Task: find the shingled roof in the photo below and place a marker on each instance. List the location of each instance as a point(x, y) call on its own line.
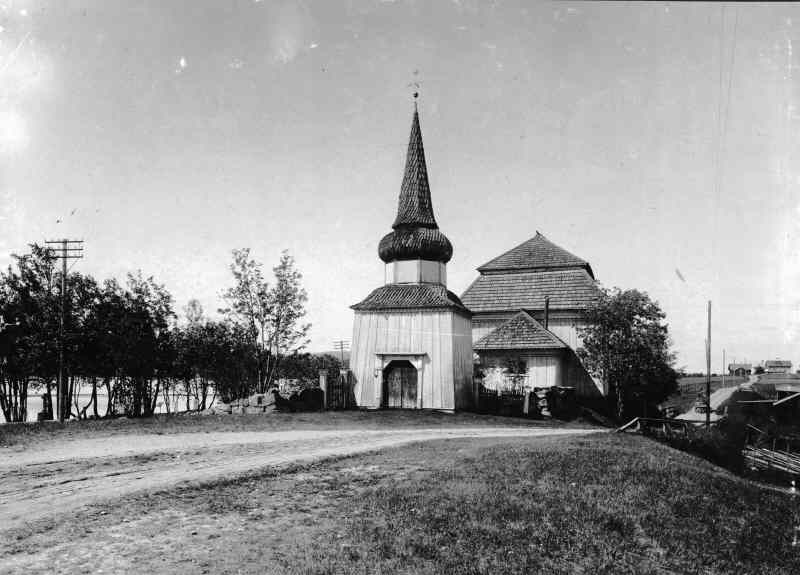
point(538, 253)
point(409, 297)
point(415, 207)
point(415, 234)
point(571, 289)
point(519, 332)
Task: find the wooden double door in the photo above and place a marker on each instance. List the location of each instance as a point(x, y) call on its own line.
point(400, 385)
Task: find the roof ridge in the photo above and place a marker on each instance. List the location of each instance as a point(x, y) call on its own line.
point(537, 252)
point(515, 340)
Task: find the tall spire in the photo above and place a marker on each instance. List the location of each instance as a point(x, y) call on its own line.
point(415, 208)
point(415, 235)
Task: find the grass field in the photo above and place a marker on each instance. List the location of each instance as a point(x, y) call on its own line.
point(596, 504)
point(20, 434)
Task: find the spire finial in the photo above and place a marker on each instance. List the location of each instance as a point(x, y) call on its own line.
point(415, 84)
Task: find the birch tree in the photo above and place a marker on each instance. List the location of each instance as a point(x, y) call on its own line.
point(271, 315)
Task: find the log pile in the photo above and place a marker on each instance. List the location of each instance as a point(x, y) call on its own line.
point(770, 460)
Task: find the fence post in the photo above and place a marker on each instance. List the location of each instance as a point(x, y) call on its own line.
point(323, 385)
point(344, 389)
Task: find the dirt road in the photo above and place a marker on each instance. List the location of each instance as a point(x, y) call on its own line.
point(718, 397)
point(58, 477)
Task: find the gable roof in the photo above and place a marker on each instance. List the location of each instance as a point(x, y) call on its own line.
point(568, 290)
point(535, 254)
point(519, 332)
point(411, 297)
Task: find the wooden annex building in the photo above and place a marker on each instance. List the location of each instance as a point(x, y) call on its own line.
point(411, 345)
point(528, 305)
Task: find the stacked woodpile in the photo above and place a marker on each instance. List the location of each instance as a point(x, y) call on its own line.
point(310, 399)
point(762, 459)
point(554, 401)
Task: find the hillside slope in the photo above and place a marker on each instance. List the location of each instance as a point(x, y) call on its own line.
point(595, 504)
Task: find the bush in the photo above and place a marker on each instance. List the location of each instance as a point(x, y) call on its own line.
point(721, 445)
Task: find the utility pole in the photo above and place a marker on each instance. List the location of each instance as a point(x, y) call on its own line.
point(708, 370)
point(723, 368)
point(341, 345)
point(67, 250)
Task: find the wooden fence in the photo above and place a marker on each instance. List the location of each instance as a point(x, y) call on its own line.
point(667, 428)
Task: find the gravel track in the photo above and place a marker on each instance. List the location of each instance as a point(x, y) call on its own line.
point(60, 477)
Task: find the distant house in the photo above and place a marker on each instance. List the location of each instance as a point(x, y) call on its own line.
point(740, 369)
point(528, 305)
point(777, 366)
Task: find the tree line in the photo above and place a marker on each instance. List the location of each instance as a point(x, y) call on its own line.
point(125, 339)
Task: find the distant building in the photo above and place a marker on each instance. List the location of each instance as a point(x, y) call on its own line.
point(528, 305)
point(411, 345)
point(777, 366)
point(740, 369)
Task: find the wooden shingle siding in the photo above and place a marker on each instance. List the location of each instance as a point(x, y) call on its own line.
point(567, 289)
point(519, 332)
point(415, 207)
point(410, 296)
point(415, 243)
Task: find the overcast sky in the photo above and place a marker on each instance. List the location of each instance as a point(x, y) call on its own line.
point(657, 141)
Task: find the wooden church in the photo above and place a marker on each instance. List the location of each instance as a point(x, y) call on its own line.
point(528, 306)
point(412, 337)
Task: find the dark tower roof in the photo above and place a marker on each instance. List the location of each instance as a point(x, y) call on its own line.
point(415, 235)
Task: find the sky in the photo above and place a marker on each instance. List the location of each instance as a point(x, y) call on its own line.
point(657, 141)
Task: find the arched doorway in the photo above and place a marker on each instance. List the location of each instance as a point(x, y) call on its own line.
point(400, 385)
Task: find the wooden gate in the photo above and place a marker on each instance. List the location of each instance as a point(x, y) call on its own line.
point(400, 385)
point(339, 393)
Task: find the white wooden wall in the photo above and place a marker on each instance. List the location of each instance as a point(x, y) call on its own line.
point(545, 370)
point(462, 361)
point(565, 328)
point(443, 338)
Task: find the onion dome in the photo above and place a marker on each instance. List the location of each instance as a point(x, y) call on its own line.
point(415, 235)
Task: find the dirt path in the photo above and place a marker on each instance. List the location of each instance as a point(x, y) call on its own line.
point(62, 477)
point(717, 399)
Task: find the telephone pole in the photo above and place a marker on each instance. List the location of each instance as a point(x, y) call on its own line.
point(724, 368)
point(341, 345)
point(66, 250)
point(708, 370)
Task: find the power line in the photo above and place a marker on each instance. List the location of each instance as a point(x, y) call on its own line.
point(67, 250)
point(341, 345)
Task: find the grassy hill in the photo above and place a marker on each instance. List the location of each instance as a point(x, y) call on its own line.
point(596, 504)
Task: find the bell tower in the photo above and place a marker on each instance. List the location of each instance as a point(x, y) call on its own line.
point(412, 343)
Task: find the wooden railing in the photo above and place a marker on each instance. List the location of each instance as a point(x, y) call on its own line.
point(652, 425)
